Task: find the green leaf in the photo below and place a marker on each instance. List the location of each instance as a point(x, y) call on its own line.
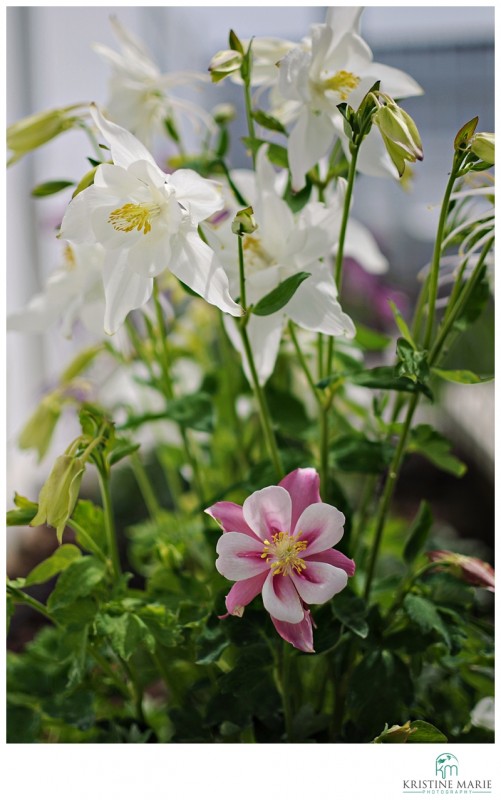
point(401, 324)
point(287, 410)
point(235, 43)
point(411, 363)
point(464, 134)
point(418, 533)
point(355, 453)
point(436, 448)
point(25, 512)
point(78, 580)
point(211, 644)
point(87, 180)
point(461, 376)
point(385, 378)
point(278, 155)
point(280, 296)
point(121, 449)
point(60, 560)
point(424, 613)
point(90, 530)
point(80, 363)
point(50, 187)
point(475, 303)
point(351, 611)
point(192, 411)
point(417, 732)
point(368, 339)
point(269, 122)
point(127, 633)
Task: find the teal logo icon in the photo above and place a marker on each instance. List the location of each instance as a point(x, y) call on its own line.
point(447, 766)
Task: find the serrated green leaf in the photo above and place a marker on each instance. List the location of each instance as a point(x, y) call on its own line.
point(280, 296)
point(424, 613)
point(126, 632)
point(60, 560)
point(418, 533)
point(351, 611)
point(356, 453)
point(77, 581)
point(417, 732)
point(461, 376)
point(50, 187)
point(381, 378)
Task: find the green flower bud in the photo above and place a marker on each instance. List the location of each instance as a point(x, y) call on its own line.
point(400, 135)
point(224, 113)
point(224, 63)
point(37, 433)
point(244, 222)
point(37, 129)
point(59, 494)
point(482, 144)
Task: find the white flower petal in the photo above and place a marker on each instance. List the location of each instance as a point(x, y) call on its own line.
point(265, 334)
point(194, 263)
point(319, 582)
point(124, 291)
point(200, 196)
point(309, 141)
point(268, 511)
point(321, 526)
point(315, 307)
point(125, 148)
point(239, 556)
point(361, 245)
point(281, 599)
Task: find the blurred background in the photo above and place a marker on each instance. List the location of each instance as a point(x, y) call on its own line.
point(51, 63)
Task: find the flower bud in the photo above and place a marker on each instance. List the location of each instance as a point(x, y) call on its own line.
point(244, 222)
point(224, 113)
point(37, 433)
point(400, 135)
point(35, 130)
point(224, 63)
point(482, 144)
point(472, 570)
point(59, 493)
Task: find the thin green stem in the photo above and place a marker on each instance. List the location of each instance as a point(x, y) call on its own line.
point(437, 252)
point(144, 483)
point(21, 598)
point(241, 273)
point(109, 522)
point(387, 495)
point(250, 119)
point(338, 274)
point(303, 363)
point(264, 413)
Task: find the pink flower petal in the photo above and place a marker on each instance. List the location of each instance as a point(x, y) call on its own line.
point(239, 556)
point(319, 582)
point(337, 559)
point(303, 486)
point(243, 592)
point(299, 635)
point(281, 599)
point(268, 511)
point(230, 517)
point(321, 526)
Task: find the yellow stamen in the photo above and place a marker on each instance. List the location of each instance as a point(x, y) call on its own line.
point(69, 257)
point(342, 82)
point(282, 553)
point(134, 216)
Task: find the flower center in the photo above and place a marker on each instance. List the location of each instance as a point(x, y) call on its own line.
point(282, 553)
point(342, 82)
point(256, 257)
point(134, 216)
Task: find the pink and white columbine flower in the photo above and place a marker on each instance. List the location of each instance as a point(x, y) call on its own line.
point(280, 544)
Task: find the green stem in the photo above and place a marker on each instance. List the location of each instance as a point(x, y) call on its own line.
point(437, 252)
point(241, 273)
point(303, 363)
point(109, 522)
point(264, 413)
point(144, 483)
point(338, 275)
point(248, 113)
point(286, 691)
point(387, 495)
point(460, 304)
point(24, 599)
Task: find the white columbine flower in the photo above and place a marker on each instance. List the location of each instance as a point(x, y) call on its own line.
point(335, 66)
point(140, 95)
point(146, 222)
point(73, 292)
point(284, 244)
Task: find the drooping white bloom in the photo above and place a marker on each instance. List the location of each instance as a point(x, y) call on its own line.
point(140, 95)
point(335, 66)
point(146, 222)
point(283, 245)
point(73, 292)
